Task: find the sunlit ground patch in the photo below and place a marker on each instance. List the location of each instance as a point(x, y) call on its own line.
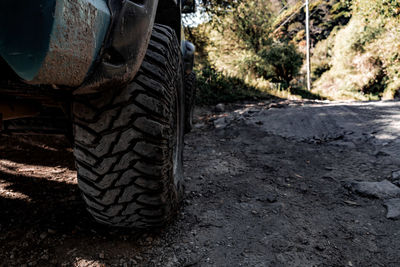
point(38, 171)
point(6, 193)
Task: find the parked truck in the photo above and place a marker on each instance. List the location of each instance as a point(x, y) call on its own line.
point(116, 77)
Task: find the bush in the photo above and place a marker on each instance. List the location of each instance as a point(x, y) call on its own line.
point(281, 63)
point(214, 87)
point(321, 60)
point(369, 34)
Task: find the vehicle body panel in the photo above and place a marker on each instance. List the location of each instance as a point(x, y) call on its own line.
point(45, 59)
point(71, 33)
point(124, 47)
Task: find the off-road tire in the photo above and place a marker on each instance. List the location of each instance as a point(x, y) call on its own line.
point(190, 98)
point(128, 142)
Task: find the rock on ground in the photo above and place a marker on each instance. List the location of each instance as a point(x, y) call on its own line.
point(396, 175)
point(382, 190)
point(393, 208)
point(220, 108)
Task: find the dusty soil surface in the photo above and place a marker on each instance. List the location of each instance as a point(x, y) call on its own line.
point(265, 186)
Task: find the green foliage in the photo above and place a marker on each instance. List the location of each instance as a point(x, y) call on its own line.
point(214, 87)
point(355, 49)
point(281, 18)
point(356, 52)
point(370, 33)
point(217, 82)
point(341, 10)
point(250, 23)
point(304, 93)
point(199, 38)
point(372, 10)
point(363, 56)
point(282, 61)
point(325, 16)
point(218, 7)
point(321, 60)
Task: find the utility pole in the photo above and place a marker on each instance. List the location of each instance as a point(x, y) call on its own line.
point(308, 45)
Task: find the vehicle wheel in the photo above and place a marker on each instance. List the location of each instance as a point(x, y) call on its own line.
point(190, 98)
point(128, 143)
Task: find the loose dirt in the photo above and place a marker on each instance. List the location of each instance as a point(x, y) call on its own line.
point(267, 184)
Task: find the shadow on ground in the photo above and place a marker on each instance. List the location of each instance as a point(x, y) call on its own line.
point(43, 221)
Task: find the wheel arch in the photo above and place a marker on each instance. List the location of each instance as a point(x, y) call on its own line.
point(169, 13)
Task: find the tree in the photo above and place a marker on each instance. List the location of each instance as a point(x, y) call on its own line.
point(251, 21)
point(248, 25)
point(218, 7)
point(285, 62)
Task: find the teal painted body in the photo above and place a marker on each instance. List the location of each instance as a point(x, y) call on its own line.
point(52, 41)
point(25, 34)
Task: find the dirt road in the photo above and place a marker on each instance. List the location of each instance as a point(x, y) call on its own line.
point(268, 184)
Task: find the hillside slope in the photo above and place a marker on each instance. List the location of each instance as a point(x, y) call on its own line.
point(355, 47)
